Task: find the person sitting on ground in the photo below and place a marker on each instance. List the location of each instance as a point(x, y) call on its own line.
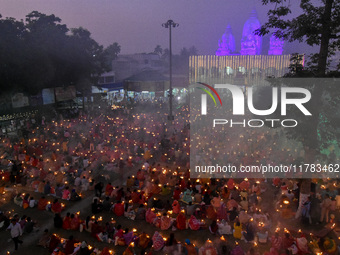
point(118, 208)
point(249, 234)
point(4, 221)
point(170, 245)
point(32, 202)
point(66, 194)
point(262, 236)
point(26, 201)
point(18, 200)
point(58, 221)
point(44, 239)
point(74, 196)
point(190, 209)
point(190, 249)
point(56, 206)
point(233, 214)
point(276, 241)
point(194, 223)
point(67, 221)
point(119, 236)
point(237, 232)
point(74, 222)
point(69, 245)
point(135, 196)
point(287, 241)
point(176, 208)
point(96, 207)
point(88, 224)
point(96, 229)
point(107, 204)
point(59, 190)
point(165, 190)
point(140, 214)
point(23, 221)
point(213, 227)
point(128, 236)
point(143, 241)
point(30, 226)
point(187, 196)
point(181, 221)
point(244, 204)
point(224, 228)
point(84, 250)
point(165, 222)
point(42, 203)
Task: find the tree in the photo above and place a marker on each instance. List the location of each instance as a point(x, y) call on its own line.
point(158, 50)
point(12, 52)
point(89, 59)
point(43, 53)
point(165, 54)
point(317, 25)
point(111, 53)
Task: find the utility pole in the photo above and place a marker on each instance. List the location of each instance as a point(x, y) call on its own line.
point(170, 23)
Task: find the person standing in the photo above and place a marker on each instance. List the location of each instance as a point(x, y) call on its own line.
point(16, 231)
point(99, 189)
point(325, 206)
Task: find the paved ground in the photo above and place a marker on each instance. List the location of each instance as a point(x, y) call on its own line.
point(45, 220)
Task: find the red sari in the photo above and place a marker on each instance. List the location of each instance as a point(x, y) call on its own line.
point(74, 223)
point(108, 189)
point(118, 209)
point(165, 222)
point(67, 223)
point(181, 221)
point(42, 204)
point(56, 207)
point(150, 216)
point(135, 197)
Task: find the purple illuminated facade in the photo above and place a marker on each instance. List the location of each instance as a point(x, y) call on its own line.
point(226, 46)
point(250, 43)
point(276, 45)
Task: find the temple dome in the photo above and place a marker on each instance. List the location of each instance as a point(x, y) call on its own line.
point(276, 45)
point(251, 43)
point(226, 45)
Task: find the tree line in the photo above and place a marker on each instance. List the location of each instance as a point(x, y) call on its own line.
point(40, 52)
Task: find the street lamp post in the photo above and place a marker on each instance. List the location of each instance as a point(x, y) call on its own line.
point(170, 23)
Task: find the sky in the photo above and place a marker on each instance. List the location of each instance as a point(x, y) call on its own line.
point(137, 24)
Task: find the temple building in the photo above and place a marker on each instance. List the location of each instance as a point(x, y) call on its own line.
point(246, 65)
point(226, 46)
point(251, 44)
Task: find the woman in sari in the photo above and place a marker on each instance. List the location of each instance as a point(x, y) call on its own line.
point(176, 207)
point(144, 240)
point(67, 222)
point(56, 207)
point(18, 200)
point(88, 224)
point(208, 248)
point(128, 236)
point(150, 216)
point(194, 224)
point(66, 194)
point(140, 214)
point(74, 222)
point(158, 241)
point(165, 222)
point(222, 212)
point(181, 221)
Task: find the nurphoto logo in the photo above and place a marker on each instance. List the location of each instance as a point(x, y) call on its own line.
point(238, 106)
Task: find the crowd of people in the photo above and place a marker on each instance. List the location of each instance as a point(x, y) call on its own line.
point(136, 167)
